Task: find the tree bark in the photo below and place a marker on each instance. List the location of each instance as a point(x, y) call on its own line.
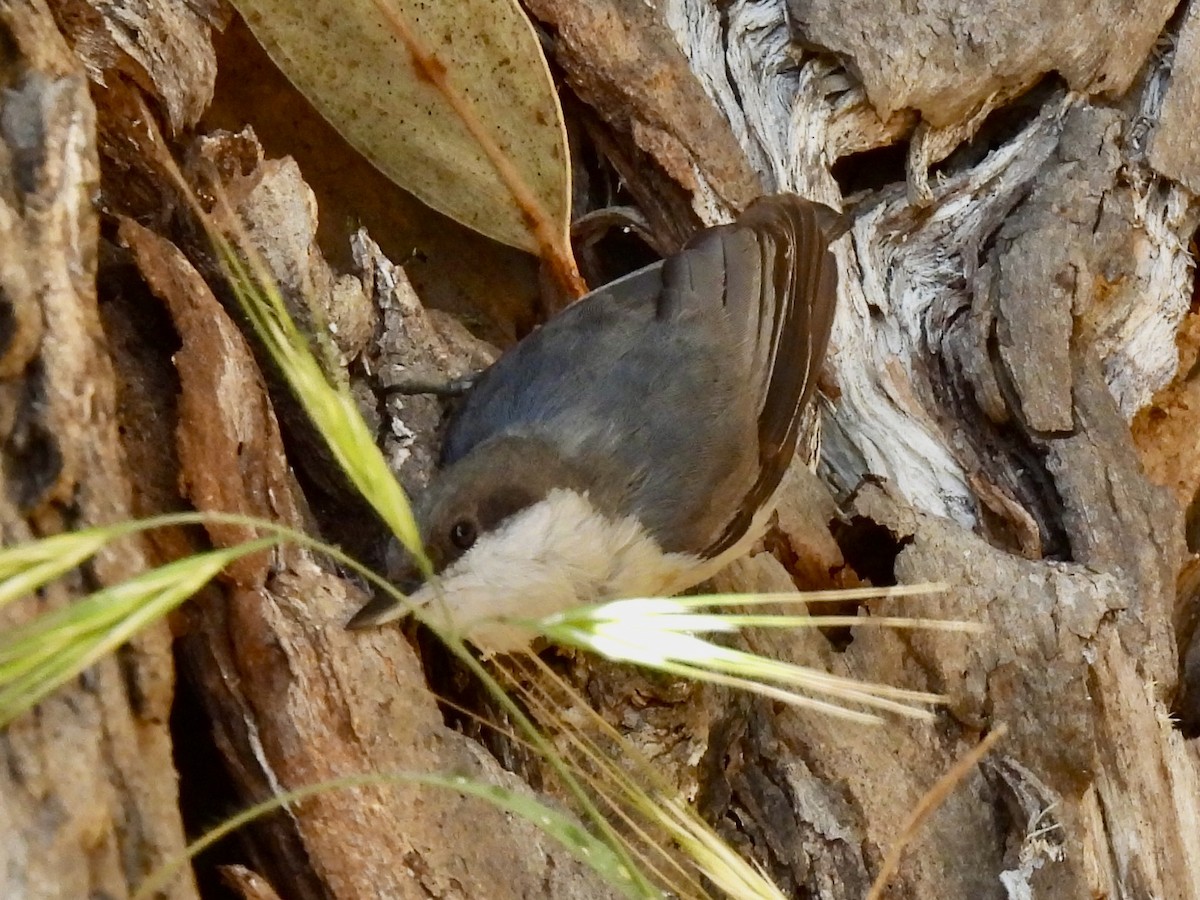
point(88, 797)
point(1009, 410)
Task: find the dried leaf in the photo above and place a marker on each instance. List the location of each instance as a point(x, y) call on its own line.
point(453, 101)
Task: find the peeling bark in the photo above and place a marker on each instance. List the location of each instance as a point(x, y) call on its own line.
point(1016, 290)
point(88, 797)
point(947, 59)
point(294, 697)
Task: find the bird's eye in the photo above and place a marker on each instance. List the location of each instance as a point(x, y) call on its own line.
point(462, 534)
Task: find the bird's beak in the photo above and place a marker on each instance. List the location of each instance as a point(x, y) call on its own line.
point(383, 608)
point(378, 611)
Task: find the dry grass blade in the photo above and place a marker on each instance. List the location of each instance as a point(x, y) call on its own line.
point(933, 798)
point(331, 410)
point(587, 848)
point(638, 793)
point(609, 778)
point(37, 658)
point(662, 634)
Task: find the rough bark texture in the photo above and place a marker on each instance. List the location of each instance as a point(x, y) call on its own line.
point(88, 797)
point(296, 699)
point(946, 59)
point(1010, 409)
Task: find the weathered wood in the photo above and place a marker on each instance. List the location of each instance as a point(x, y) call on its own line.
point(1004, 317)
point(294, 697)
point(163, 47)
point(88, 798)
point(620, 59)
point(1174, 140)
point(986, 334)
point(948, 58)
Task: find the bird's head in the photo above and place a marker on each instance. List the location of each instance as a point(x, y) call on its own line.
point(510, 531)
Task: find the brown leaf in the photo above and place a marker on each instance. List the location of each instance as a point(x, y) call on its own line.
point(454, 102)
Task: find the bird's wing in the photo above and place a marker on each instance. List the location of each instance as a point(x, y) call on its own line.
point(779, 284)
point(661, 381)
point(555, 370)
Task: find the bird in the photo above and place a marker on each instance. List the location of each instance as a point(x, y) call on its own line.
point(634, 444)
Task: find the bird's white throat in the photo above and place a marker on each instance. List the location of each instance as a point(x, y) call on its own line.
point(558, 553)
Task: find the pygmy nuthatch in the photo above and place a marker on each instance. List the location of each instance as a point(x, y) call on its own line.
point(633, 445)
